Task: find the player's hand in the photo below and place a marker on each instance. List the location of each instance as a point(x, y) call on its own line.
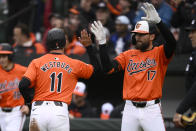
point(85, 38)
point(98, 30)
point(177, 120)
point(25, 109)
point(33, 125)
point(151, 13)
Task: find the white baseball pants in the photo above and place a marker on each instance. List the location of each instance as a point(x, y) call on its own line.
point(50, 117)
point(148, 118)
point(12, 121)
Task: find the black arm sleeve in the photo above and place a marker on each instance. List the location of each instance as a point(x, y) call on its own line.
point(107, 63)
point(170, 45)
point(188, 101)
point(25, 90)
point(93, 56)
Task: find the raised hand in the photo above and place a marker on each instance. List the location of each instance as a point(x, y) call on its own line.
point(85, 38)
point(151, 13)
point(98, 30)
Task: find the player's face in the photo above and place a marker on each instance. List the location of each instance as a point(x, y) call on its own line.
point(192, 36)
point(142, 41)
point(4, 60)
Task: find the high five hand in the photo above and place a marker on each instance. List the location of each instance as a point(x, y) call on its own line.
point(151, 13)
point(85, 38)
point(98, 30)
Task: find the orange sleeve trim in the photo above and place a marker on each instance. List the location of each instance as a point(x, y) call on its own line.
point(113, 10)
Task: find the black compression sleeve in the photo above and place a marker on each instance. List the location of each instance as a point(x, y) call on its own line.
point(188, 101)
point(93, 56)
point(105, 60)
point(25, 90)
point(170, 44)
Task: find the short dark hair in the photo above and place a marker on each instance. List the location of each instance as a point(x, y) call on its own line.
point(24, 29)
point(55, 39)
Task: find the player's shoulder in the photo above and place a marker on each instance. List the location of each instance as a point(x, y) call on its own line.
point(37, 60)
point(21, 67)
point(130, 51)
point(158, 47)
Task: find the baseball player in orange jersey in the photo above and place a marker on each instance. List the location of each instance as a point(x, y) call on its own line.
point(54, 77)
point(12, 108)
point(144, 70)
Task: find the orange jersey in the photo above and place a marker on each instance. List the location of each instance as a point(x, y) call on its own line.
point(55, 76)
point(9, 81)
point(144, 73)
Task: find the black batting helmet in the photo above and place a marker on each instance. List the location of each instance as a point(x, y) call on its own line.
point(55, 39)
point(6, 49)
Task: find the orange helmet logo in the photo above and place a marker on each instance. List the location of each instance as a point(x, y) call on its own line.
point(138, 25)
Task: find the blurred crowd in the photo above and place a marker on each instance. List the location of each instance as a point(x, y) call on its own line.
point(27, 32)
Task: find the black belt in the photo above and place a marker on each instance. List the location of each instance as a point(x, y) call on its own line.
point(143, 103)
point(6, 109)
point(57, 103)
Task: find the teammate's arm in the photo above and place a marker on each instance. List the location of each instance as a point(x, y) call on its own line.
point(85, 39)
point(153, 16)
point(26, 83)
point(170, 45)
point(109, 65)
point(25, 90)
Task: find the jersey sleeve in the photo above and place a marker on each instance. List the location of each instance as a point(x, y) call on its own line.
point(84, 70)
point(31, 72)
point(121, 60)
point(163, 57)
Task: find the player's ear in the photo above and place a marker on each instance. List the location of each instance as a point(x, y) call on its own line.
point(152, 37)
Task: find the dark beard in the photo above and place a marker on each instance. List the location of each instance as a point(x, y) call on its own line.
point(142, 47)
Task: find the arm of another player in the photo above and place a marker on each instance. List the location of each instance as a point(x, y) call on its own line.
point(153, 16)
point(109, 66)
point(25, 91)
point(186, 103)
point(85, 39)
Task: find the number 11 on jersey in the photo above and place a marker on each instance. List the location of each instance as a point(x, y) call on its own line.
point(53, 78)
